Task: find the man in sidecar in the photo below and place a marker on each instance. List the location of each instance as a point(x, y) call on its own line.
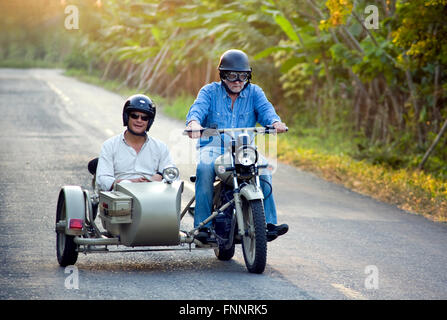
point(133, 151)
point(232, 103)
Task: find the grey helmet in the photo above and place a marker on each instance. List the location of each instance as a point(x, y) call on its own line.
point(140, 103)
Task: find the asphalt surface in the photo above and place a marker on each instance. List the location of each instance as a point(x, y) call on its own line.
point(341, 245)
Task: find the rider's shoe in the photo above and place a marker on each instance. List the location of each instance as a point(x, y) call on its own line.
point(274, 232)
point(204, 235)
point(271, 235)
point(280, 229)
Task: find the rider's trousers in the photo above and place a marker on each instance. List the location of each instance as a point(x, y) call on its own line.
point(205, 176)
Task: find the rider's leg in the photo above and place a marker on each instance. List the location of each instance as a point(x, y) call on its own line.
point(270, 209)
point(269, 201)
point(205, 176)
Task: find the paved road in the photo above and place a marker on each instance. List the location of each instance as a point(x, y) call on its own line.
point(341, 245)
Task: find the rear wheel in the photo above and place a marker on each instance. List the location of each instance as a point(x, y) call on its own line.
point(66, 248)
point(224, 254)
point(254, 240)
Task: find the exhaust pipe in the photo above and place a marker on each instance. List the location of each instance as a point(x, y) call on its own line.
point(96, 241)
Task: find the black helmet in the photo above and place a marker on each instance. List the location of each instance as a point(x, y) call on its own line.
point(140, 103)
point(234, 60)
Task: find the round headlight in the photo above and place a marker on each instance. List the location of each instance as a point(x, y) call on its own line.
point(246, 155)
point(170, 174)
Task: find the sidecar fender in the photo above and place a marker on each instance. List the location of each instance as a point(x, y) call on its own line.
point(252, 192)
point(74, 209)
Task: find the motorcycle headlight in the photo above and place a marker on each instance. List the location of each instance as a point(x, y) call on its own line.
point(170, 174)
point(246, 155)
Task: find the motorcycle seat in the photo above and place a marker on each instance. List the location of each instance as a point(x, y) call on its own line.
point(92, 165)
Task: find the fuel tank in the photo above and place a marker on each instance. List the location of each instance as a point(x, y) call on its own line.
point(223, 161)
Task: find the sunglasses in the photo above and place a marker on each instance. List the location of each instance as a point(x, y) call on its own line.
point(233, 76)
point(136, 116)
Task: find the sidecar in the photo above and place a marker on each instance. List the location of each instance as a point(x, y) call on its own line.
point(146, 216)
point(132, 215)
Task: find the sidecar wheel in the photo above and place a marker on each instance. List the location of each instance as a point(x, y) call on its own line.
point(66, 249)
point(254, 241)
point(224, 255)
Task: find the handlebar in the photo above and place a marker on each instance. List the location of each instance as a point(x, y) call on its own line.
point(262, 130)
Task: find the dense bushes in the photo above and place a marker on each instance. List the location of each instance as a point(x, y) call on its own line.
point(328, 72)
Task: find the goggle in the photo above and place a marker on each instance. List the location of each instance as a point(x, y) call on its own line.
point(136, 116)
point(233, 76)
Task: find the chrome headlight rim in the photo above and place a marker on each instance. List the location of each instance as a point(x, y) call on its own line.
point(250, 157)
point(170, 174)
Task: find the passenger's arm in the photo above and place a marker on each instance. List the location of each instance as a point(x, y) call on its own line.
point(105, 174)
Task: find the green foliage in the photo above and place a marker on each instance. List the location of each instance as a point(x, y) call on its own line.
point(178, 107)
point(377, 93)
point(421, 31)
point(77, 59)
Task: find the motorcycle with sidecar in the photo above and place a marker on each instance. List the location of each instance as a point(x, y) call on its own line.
point(146, 216)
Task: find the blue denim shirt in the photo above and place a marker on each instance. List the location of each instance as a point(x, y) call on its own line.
point(213, 107)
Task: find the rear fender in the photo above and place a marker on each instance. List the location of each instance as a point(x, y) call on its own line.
point(74, 206)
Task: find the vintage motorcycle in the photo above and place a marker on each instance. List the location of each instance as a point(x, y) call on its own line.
point(148, 214)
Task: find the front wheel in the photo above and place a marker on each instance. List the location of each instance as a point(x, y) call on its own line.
point(254, 240)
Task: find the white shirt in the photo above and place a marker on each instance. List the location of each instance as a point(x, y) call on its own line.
point(118, 158)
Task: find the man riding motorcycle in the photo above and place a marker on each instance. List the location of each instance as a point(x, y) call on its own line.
point(233, 102)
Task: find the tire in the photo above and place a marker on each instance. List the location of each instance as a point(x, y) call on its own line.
point(94, 211)
point(225, 255)
point(66, 248)
point(254, 241)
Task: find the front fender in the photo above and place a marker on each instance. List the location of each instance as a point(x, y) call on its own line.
point(252, 192)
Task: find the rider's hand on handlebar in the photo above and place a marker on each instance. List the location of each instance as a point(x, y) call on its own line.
point(280, 127)
point(195, 127)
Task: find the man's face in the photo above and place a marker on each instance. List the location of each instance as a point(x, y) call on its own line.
point(236, 80)
point(138, 121)
point(235, 86)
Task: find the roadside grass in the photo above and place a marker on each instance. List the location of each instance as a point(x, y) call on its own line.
point(111, 85)
point(96, 79)
point(411, 190)
point(24, 64)
point(178, 107)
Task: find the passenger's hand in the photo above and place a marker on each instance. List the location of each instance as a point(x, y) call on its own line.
point(141, 179)
point(156, 177)
point(280, 127)
point(195, 127)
